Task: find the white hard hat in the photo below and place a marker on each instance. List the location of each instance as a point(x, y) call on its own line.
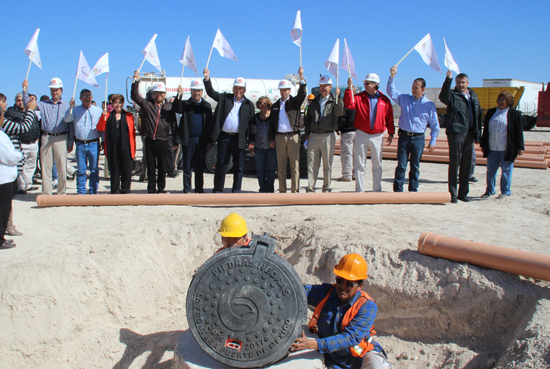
point(325, 80)
point(239, 82)
point(285, 83)
point(56, 83)
point(159, 87)
point(197, 84)
point(372, 77)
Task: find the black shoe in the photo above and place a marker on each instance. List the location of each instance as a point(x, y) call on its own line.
point(162, 191)
point(21, 192)
point(454, 200)
point(172, 174)
point(473, 179)
point(463, 198)
point(486, 195)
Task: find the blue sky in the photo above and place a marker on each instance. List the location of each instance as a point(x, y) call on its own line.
point(488, 39)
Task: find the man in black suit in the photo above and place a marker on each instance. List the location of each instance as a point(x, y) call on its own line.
point(231, 127)
point(192, 133)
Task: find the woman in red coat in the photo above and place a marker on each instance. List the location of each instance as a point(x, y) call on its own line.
point(120, 144)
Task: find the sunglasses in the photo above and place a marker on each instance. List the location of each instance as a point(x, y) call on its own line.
point(349, 284)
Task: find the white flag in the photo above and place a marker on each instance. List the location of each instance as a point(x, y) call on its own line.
point(449, 61)
point(427, 51)
point(296, 33)
point(333, 58)
point(32, 50)
point(151, 55)
point(84, 73)
point(221, 44)
point(188, 58)
point(102, 66)
point(347, 61)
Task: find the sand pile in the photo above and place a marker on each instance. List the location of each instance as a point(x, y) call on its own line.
point(105, 287)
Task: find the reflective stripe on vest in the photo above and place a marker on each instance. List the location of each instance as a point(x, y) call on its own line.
point(362, 347)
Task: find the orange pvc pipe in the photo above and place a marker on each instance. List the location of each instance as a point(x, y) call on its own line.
point(526, 263)
point(245, 199)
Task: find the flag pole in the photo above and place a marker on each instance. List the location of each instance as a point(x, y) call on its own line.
point(405, 55)
point(106, 78)
point(74, 91)
point(29, 69)
point(300, 51)
point(338, 77)
point(139, 70)
point(182, 68)
point(208, 62)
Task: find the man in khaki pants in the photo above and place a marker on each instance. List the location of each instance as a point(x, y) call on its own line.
point(56, 133)
point(284, 131)
point(321, 125)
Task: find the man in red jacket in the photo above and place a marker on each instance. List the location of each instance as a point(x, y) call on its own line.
point(374, 114)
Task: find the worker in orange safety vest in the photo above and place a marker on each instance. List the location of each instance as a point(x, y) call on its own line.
point(344, 319)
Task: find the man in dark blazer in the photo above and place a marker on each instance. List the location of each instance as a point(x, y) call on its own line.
point(192, 133)
point(230, 129)
point(463, 122)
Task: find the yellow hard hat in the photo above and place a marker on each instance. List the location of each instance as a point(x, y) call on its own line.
point(233, 225)
point(352, 267)
point(311, 97)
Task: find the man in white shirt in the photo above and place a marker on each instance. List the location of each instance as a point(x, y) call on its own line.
point(231, 127)
point(285, 122)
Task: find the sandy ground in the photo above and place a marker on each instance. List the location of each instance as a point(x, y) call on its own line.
point(102, 287)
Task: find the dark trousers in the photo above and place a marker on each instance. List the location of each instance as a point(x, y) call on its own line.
point(413, 146)
point(266, 168)
point(7, 192)
point(121, 173)
point(156, 160)
point(460, 161)
point(194, 157)
point(228, 145)
point(170, 155)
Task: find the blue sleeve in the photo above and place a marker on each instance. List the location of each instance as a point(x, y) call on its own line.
point(392, 92)
point(354, 332)
point(433, 123)
point(316, 293)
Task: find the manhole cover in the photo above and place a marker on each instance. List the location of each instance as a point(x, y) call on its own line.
point(246, 305)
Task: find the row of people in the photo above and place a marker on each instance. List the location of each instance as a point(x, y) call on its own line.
point(272, 135)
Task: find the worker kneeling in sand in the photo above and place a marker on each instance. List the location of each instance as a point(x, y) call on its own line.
point(234, 232)
point(344, 319)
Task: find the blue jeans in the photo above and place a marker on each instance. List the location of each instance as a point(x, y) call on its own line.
point(266, 167)
point(495, 159)
point(413, 145)
point(87, 156)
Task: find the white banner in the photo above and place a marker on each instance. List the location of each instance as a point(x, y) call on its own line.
point(449, 61)
point(347, 61)
point(188, 57)
point(296, 33)
point(151, 55)
point(102, 66)
point(84, 72)
point(333, 59)
point(32, 49)
point(221, 44)
point(427, 51)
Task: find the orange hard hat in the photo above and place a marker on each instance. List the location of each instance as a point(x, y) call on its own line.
point(311, 97)
point(352, 267)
